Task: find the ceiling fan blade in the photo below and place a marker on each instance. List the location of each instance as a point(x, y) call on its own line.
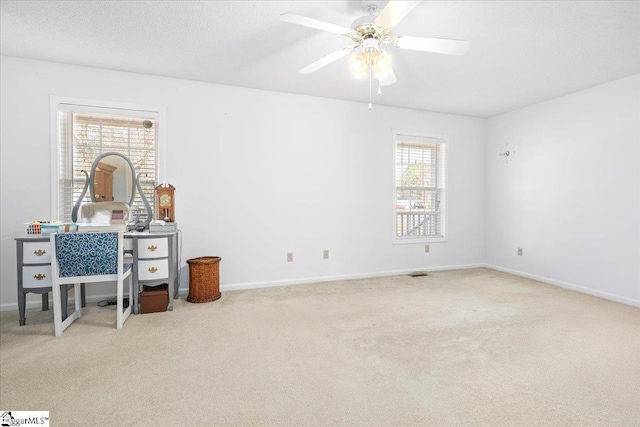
point(393, 13)
point(387, 78)
point(326, 60)
point(314, 23)
point(428, 44)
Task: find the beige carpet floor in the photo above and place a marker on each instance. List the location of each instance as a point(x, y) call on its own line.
point(456, 348)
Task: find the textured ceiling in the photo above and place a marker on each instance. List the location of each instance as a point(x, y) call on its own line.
point(520, 52)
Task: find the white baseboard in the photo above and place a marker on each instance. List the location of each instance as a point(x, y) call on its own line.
point(303, 281)
point(37, 304)
point(566, 285)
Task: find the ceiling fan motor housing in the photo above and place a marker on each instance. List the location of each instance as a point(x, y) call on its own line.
point(364, 28)
point(370, 44)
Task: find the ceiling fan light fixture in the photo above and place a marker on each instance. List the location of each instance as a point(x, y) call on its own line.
point(380, 61)
point(381, 75)
point(359, 65)
point(377, 61)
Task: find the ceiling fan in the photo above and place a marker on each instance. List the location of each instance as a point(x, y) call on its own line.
point(370, 33)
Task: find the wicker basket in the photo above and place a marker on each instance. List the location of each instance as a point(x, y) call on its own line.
point(204, 279)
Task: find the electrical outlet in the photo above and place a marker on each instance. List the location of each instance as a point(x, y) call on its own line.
point(289, 256)
point(325, 254)
point(519, 251)
point(426, 249)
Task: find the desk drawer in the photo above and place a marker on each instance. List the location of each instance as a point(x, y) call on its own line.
point(36, 253)
point(153, 248)
point(153, 269)
point(37, 276)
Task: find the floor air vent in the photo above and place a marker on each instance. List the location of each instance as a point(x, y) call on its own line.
point(418, 274)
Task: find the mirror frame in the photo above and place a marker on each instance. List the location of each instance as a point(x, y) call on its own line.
point(135, 184)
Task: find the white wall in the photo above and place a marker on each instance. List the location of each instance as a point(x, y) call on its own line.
point(258, 174)
point(571, 195)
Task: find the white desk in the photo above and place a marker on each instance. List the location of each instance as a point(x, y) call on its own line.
point(155, 262)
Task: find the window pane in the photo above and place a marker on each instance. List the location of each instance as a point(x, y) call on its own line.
point(84, 136)
point(419, 187)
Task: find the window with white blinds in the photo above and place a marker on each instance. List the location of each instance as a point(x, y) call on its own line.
point(83, 135)
point(420, 187)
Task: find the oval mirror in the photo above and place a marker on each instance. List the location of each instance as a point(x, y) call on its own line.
point(113, 178)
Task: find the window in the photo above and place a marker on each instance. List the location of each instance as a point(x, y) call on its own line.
point(420, 188)
point(84, 132)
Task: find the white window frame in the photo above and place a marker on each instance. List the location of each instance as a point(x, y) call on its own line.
point(103, 107)
point(424, 136)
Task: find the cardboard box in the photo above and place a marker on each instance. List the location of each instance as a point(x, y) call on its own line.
point(154, 299)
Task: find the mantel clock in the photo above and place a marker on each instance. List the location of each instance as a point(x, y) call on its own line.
point(165, 202)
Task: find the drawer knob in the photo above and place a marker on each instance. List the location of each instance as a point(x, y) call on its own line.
point(39, 276)
point(152, 248)
point(39, 252)
point(152, 269)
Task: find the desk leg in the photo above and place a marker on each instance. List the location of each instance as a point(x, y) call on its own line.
point(176, 265)
point(136, 296)
point(21, 306)
point(134, 278)
point(172, 270)
point(21, 297)
point(45, 301)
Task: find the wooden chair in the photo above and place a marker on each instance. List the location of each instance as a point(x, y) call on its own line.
point(87, 258)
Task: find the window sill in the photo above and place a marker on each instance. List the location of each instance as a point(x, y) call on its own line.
point(418, 240)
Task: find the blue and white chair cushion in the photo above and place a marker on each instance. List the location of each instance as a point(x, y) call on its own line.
point(88, 254)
